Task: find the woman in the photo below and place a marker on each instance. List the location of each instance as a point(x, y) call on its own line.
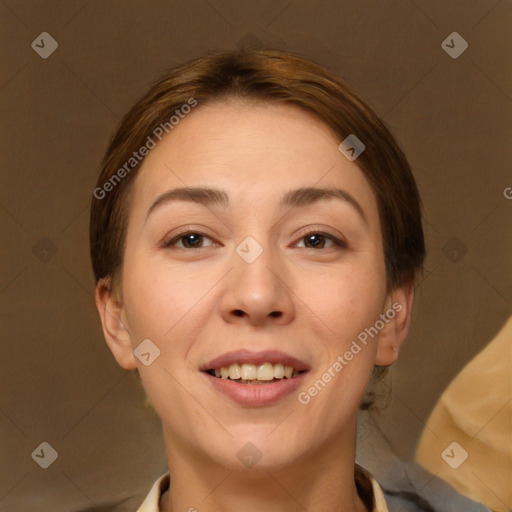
point(255, 236)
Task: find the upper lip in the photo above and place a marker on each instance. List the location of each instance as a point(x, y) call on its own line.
point(248, 357)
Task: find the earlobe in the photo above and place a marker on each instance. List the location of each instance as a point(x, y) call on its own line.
point(116, 333)
point(398, 311)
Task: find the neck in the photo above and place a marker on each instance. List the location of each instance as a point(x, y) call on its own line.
point(314, 482)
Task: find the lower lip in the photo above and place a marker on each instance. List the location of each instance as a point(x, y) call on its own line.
point(256, 394)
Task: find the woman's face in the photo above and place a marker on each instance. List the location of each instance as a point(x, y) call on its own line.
point(264, 274)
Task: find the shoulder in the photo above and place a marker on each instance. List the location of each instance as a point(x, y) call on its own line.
point(408, 487)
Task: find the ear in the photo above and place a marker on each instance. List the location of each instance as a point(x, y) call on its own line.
point(398, 309)
point(117, 334)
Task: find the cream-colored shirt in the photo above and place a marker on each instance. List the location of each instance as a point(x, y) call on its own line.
point(151, 503)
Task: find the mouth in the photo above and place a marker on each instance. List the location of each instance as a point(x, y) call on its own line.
point(252, 374)
point(255, 379)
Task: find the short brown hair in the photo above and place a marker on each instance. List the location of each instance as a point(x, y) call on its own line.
point(269, 76)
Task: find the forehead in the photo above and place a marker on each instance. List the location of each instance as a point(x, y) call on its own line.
point(255, 151)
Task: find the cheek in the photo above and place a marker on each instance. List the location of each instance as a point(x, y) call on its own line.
point(163, 304)
point(346, 300)
point(347, 358)
point(157, 298)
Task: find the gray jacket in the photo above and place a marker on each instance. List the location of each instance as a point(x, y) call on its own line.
point(407, 486)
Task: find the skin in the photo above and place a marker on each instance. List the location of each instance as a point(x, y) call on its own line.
point(310, 302)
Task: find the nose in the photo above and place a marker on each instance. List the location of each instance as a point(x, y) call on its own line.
point(258, 292)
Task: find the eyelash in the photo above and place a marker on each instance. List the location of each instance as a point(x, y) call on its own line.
point(168, 244)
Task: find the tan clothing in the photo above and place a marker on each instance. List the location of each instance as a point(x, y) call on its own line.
point(468, 438)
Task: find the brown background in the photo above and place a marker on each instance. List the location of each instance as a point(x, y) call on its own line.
point(59, 382)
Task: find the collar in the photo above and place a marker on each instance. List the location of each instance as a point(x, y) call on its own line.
point(151, 503)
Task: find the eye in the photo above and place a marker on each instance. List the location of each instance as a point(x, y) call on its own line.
point(195, 240)
point(317, 240)
point(189, 239)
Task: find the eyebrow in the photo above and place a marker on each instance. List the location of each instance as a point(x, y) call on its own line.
point(300, 197)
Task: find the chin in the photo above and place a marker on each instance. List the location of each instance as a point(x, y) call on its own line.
point(264, 447)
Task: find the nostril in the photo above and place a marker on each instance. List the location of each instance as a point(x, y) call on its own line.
point(275, 314)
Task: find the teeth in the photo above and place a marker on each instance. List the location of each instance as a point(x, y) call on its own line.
point(235, 372)
point(251, 372)
point(265, 372)
point(278, 371)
